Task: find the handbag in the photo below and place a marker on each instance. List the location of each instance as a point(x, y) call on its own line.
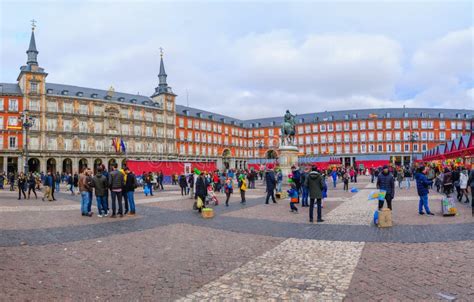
point(199, 203)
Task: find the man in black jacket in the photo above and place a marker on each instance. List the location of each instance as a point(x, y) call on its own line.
point(201, 190)
point(130, 186)
point(386, 181)
point(116, 181)
point(100, 184)
point(271, 184)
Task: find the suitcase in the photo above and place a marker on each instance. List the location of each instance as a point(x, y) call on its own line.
point(448, 207)
point(385, 218)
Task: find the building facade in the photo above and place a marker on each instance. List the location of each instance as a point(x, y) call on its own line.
point(77, 127)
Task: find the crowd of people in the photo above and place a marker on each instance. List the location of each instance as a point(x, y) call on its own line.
point(307, 185)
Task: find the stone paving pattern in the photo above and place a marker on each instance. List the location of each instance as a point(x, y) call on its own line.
point(168, 252)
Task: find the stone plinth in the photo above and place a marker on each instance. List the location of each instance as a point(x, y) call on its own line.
point(287, 157)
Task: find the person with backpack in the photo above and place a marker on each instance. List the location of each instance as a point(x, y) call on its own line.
point(100, 184)
point(271, 183)
point(422, 186)
point(242, 187)
point(315, 184)
point(130, 185)
point(31, 185)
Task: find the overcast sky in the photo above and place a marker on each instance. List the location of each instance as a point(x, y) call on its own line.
point(254, 59)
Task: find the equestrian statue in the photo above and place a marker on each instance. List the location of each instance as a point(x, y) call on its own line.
point(288, 129)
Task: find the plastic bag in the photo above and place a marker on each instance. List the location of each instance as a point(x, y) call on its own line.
point(199, 203)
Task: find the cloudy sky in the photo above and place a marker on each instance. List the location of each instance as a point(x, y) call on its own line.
point(254, 59)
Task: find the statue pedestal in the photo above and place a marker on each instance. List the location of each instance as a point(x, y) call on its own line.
point(287, 157)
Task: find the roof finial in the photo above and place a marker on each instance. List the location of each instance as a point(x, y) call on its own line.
point(161, 52)
point(33, 24)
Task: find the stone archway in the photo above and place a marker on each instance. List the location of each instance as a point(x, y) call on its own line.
point(34, 165)
point(226, 155)
point(82, 164)
point(67, 166)
point(271, 154)
point(111, 162)
point(51, 165)
point(97, 164)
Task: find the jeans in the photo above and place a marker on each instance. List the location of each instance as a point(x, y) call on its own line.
point(84, 202)
point(118, 196)
point(89, 203)
point(57, 187)
point(293, 207)
point(304, 201)
point(101, 206)
point(279, 186)
point(423, 203)
point(334, 181)
point(125, 200)
point(408, 182)
point(151, 188)
point(71, 188)
point(131, 200)
point(311, 209)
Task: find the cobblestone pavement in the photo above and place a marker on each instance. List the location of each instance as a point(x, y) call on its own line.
point(252, 251)
point(295, 270)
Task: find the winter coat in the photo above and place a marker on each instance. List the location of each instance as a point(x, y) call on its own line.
point(422, 184)
point(448, 179)
point(99, 182)
point(315, 184)
point(463, 178)
point(471, 179)
point(116, 180)
point(201, 188)
point(84, 185)
point(386, 182)
point(182, 181)
point(131, 182)
point(270, 180)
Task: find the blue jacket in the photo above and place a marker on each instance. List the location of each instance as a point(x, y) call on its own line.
point(386, 182)
point(422, 184)
point(334, 175)
point(48, 181)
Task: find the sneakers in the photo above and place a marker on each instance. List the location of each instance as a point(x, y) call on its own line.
point(421, 213)
point(320, 220)
point(432, 214)
point(100, 215)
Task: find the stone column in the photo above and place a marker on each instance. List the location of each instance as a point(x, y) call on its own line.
point(5, 164)
point(42, 164)
point(75, 165)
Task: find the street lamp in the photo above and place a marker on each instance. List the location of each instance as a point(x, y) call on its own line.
point(260, 145)
point(26, 122)
point(413, 138)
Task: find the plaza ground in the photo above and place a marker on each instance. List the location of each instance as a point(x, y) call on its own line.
point(255, 251)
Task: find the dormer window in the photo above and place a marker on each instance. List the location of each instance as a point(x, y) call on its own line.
point(49, 91)
point(211, 117)
point(241, 124)
point(64, 92)
point(108, 97)
point(330, 118)
point(458, 115)
point(133, 101)
point(405, 114)
point(94, 95)
point(79, 93)
point(156, 104)
point(232, 123)
point(145, 103)
point(301, 120)
point(354, 116)
point(346, 116)
point(466, 116)
point(199, 114)
point(121, 99)
point(223, 120)
point(272, 123)
point(388, 115)
point(186, 112)
point(441, 115)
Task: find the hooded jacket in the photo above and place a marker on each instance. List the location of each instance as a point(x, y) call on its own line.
point(386, 182)
point(99, 182)
point(315, 184)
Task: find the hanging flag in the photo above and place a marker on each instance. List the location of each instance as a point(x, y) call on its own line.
point(122, 145)
point(117, 146)
point(114, 144)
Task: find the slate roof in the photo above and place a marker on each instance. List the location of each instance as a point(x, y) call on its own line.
point(10, 89)
point(193, 112)
point(58, 89)
point(342, 115)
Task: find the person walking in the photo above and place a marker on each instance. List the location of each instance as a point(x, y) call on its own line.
point(463, 180)
point(345, 180)
point(279, 180)
point(100, 184)
point(201, 190)
point(271, 184)
point(400, 176)
point(75, 181)
point(293, 196)
point(2, 180)
point(57, 181)
point(48, 186)
point(191, 185)
point(70, 183)
point(315, 185)
point(160, 180)
point(116, 182)
point(243, 188)
point(183, 184)
point(32, 185)
point(407, 175)
point(21, 185)
point(130, 185)
point(304, 188)
point(84, 188)
point(228, 189)
point(422, 186)
point(447, 182)
point(334, 178)
point(386, 181)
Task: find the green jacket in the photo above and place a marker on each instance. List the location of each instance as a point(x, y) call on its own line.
point(314, 182)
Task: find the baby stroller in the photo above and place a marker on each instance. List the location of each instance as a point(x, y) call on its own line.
point(211, 198)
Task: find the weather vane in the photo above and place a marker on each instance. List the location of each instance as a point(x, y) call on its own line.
point(33, 25)
point(161, 51)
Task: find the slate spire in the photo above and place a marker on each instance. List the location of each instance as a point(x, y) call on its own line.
point(32, 52)
point(163, 86)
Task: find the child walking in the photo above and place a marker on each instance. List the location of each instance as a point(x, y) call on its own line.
point(293, 195)
point(242, 187)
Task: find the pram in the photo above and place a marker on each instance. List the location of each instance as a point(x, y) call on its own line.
point(211, 198)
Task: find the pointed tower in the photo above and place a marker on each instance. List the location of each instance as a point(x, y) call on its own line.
point(165, 99)
point(31, 72)
point(32, 52)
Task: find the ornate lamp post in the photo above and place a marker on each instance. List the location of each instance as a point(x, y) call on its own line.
point(26, 122)
point(413, 138)
point(260, 145)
